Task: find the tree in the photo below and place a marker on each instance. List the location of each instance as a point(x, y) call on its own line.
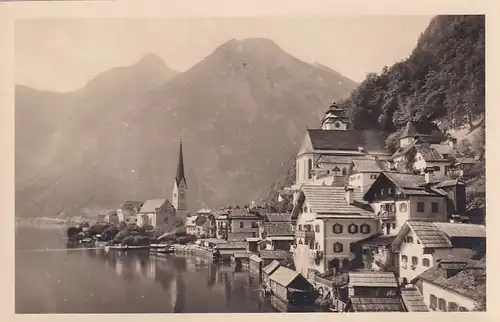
point(128, 241)
point(109, 233)
point(73, 231)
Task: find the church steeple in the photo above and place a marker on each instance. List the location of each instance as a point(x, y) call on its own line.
point(180, 167)
point(180, 191)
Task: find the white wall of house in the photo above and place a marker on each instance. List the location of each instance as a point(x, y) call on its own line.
point(363, 180)
point(402, 208)
point(405, 141)
point(439, 292)
point(421, 164)
point(345, 238)
point(410, 252)
point(428, 214)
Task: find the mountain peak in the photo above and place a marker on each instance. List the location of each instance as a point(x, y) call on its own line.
point(254, 46)
point(150, 59)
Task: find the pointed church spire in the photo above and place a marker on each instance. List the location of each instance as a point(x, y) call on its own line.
point(180, 167)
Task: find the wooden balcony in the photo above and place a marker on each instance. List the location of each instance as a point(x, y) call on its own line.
point(386, 215)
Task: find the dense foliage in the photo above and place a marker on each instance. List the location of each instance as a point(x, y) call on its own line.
point(442, 80)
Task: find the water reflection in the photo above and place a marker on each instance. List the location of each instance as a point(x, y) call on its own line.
point(95, 281)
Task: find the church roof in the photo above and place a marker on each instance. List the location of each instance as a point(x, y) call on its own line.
point(152, 205)
point(349, 140)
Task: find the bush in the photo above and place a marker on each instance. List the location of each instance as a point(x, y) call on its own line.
point(128, 241)
point(141, 240)
point(73, 231)
point(122, 235)
point(109, 233)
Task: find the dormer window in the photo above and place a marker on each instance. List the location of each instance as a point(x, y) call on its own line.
point(337, 124)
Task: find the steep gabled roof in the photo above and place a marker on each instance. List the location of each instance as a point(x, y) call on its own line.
point(331, 200)
point(269, 269)
point(151, 205)
point(438, 234)
point(369, 165)
point(274, 254)
point(284, 276)
point(180, 168)
point(348, 140)
point(278, 217)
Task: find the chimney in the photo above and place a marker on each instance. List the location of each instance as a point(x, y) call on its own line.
point(349, 195)
point(429, 175)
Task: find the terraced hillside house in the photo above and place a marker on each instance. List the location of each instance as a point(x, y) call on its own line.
point(329, 223)
point(421, 146)
point(454, 284)
point(420, 245)
point(338, 145)
point(398, 197)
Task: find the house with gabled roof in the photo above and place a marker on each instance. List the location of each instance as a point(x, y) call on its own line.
point(329, 223)
point(454, 284)
point(412, 300)
point(420, 245)
point(362, 173)
point(276, 235)
point(398, 197)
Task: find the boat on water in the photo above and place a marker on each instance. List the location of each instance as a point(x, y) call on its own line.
point(162, 248)
point(126, 247)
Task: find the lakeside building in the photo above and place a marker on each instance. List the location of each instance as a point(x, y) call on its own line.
point(276, 235)
point(329, 223)
point(244, 220)
point(221, 224)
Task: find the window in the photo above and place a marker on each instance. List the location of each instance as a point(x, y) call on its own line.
point(365, 229)
point(382, 192)
point(389, 191)
point(305, 208)
point(414, 261)
point(241, 224)
point(353, 229)
point(442, 304)
point(437, 168)
point(255, 225)
point(338, 247)
point(316, 245)
point(300, 227)
point(393, 225)
point(309, 169)
point(409, 240)
point(452, 307)
point(404, 261)
point(403, 207)
point(373, 176)
point(434, 207)
point(344, 171)
point(420, 206)
point(337, 124)
point(337, 229)
point(316, 228)
point(433, 301)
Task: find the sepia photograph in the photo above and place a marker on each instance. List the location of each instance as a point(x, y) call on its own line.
point(329, 164)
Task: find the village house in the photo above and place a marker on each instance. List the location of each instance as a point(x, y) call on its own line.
point(276, 235)
point(373, 292)
point(329, 223)
point(362, 173)
point(256, 265)
point(420, 245)
point(128, 211)
point(111, 217)
point(244, 221)
point(422, 145)
point(191, 225)
point(398, 197)
point(454, 284)
point(278, 217)
point(462, 166)
point(155, 213)
point(221, 224)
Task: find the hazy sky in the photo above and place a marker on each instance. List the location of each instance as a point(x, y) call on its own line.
point(63, 54)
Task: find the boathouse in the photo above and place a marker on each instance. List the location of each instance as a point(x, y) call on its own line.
point(291, 287)
point(268, 270)
point(255, 263)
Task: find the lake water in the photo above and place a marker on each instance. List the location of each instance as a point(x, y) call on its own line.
point(93, 281)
